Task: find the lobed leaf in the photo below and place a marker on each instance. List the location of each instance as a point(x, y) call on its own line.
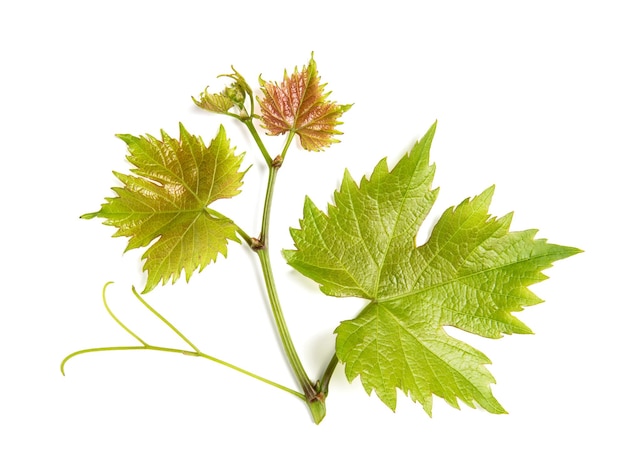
point(472, 273)
point(299, 104)
point(164, 205)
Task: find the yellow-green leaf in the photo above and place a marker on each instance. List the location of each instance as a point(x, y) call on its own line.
point(472, 273)
point(165, 203)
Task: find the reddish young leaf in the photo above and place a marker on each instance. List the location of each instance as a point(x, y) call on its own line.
point(299, 104)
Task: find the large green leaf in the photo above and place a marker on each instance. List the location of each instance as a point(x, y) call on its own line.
point(165, 205)
point(471, 274)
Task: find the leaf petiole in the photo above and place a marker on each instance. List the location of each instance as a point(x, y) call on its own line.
point(242, 233)
point(291, 135)
point(257, 139)
point(328, 373)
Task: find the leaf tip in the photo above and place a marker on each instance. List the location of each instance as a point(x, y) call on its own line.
point(573, 251)
point(126, 137)
point(90, 215)
point(431, 130)
point(221, 131)
point(489, 191)
point(150, 285)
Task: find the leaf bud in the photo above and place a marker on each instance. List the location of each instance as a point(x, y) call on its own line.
point(236, 94)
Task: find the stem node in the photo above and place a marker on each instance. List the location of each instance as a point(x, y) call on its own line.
point(256, 244)
point(277, 162)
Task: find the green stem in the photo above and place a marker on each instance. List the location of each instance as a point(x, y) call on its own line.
point(292, 355)
point(267, 206)
point(181, 351)
point(292, 134)
point(328, 373)
point(252, 129)
point(314, 400)
point(269, 194)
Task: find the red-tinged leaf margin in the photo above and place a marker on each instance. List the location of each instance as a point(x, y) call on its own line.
point(299, 104)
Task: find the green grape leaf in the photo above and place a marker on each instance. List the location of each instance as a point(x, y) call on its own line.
point(164, 205)
point(299, 104)
point(472, 273)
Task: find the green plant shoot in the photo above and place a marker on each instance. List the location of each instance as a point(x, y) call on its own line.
point(473, 273)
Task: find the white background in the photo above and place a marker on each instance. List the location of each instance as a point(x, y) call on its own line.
point(528, 95)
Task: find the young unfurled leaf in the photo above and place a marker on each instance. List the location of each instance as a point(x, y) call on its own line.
point(299, 104)
point(238, 90)
point(216, 103)
point(167, 201)
point(233, 95)
point(471, 274)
